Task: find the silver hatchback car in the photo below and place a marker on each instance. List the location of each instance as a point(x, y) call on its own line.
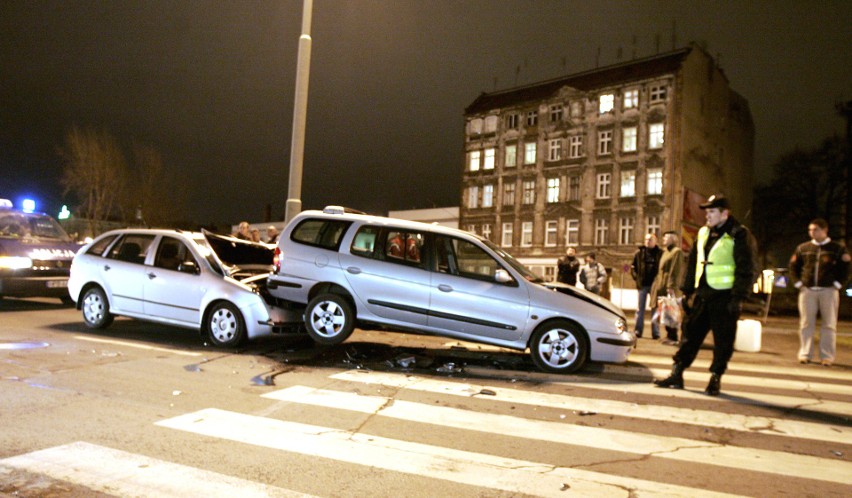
point(348, 268)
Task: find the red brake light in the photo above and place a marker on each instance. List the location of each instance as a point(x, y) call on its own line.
point(276, 260)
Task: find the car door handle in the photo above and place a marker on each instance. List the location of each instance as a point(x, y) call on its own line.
point(445, 288)
point(353, 270)
point(152, 276)
point(107, 267)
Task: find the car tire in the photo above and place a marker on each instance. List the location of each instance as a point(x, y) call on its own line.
point(95, 307)
point(225, 325)
point(329, 319)
point(559, 347)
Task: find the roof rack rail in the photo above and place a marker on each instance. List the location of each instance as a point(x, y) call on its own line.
point(341, 210)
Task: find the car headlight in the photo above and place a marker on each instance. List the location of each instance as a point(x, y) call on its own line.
point(15, 262)
point(620, 325)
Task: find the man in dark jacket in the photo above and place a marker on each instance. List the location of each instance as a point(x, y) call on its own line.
point(719, 276)
point(646, 262)
point(567, 267)
point(820, 268)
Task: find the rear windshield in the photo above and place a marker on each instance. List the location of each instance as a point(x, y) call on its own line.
point(321, 233)
point(31, 226)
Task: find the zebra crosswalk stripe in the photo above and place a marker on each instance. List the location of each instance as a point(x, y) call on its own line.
point(707, 418)
point(477, 469)
point(702, 452)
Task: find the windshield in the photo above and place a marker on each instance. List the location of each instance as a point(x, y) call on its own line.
point(514, 263)
point(30, 226)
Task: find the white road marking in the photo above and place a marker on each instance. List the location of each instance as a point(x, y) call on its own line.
point(126, 474)
point(794, 370)
point(687, 450)
point(476, 469)
point(704, 418)
point(136, 345)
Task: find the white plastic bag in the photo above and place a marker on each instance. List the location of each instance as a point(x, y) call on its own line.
point(668, 311)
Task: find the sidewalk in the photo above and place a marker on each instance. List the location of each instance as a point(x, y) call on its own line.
point(779, 344)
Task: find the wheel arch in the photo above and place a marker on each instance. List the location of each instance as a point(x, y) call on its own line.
point(549, 321)
point(332, 288)
point(79, 304)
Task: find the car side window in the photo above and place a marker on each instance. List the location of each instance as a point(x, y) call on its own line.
point(404, 247)
point(320, 232)
point(465, 259)
point(364, 242)
point(132, 248)
point(99, 247)
point(171, 253)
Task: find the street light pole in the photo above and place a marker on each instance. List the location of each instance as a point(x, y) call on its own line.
point(300, 112)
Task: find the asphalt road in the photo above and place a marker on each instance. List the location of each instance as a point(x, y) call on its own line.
point(147, 410)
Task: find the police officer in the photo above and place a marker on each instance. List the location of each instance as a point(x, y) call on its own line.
point(719, 275)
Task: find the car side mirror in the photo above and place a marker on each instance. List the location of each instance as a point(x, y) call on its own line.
point(189, 267)
point(502, 277)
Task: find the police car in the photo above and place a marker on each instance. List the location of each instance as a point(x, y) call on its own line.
point(35, 254)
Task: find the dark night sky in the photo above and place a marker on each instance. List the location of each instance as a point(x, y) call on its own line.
point(210, 84)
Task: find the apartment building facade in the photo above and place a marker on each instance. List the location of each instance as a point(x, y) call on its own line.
point(597, 159)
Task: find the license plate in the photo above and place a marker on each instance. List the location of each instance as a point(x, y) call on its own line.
point(57, 284)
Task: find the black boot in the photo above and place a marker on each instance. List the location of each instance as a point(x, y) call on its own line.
point(674, 380)
point(714, 386)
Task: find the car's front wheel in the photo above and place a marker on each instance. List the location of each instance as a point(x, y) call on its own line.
point(225, 325)
point(329, 319)
point(559, 347)
point(96, 308)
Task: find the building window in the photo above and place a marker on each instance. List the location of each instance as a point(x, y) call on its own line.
point(488, 196)
point(554, 149)
point(486, 231)
point(549, 273)
point(529, 192)
point(658, 93)
point(474, 160)
point(511, 156)
point(628, 140)
point(603, 190)
point(555, 113)
point(576, 109)
point(575, 148)
point(529, 153)
point(655, 181)
point(550, 233)
point(512, 121)
point(509, 194)
point(553, 190)
point(475, 126)
point(489, 159)
point(631, 99)
point(506, 237)
point(652, 225)
point(656, 136)
point(532, 118)
point(604, 142)
point(628, 184)
point(607, 101)
point(526, 233)
point(601, 232)
point(490, 124)
point(473, 197)
point(572, 232)
point(625, 231)
point(574, 188)
point(471, 229)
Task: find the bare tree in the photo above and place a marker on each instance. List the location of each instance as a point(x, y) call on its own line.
point(95, 172)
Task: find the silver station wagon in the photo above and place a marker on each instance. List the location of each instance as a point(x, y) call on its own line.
point(349, 269)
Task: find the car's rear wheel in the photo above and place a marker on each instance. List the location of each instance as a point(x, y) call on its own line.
point(559, 347)
point(225, 325)
point(329, 319)
point(96, 308)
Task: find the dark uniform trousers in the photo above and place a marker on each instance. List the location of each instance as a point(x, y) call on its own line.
point(709, 311)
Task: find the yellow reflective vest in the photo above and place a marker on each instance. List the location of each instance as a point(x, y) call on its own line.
point(719, 264)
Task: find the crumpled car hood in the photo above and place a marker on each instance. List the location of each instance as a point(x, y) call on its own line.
point(232, 251)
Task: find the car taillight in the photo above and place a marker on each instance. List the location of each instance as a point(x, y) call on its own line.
point(276, 260)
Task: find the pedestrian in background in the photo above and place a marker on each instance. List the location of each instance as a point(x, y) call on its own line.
point(593, 274)
point(567, 267)
point(243, 231)
point(720, 273)
point(646, 262)
point(820, 268)
point(272, 234)
point(668, 281)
